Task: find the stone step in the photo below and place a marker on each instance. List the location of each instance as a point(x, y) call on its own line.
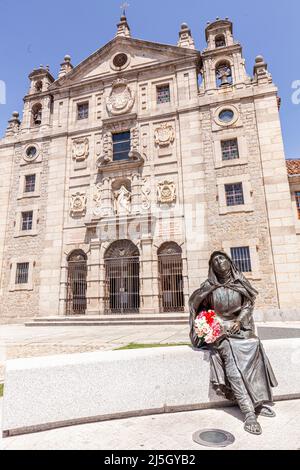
point(108, 322)
point(101, 320)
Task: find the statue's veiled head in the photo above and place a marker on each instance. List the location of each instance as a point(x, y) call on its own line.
point(220, 263)
point(220, 266)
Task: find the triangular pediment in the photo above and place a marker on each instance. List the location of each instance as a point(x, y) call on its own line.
point(142, 54)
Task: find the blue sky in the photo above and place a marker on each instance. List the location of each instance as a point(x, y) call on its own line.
point(35, 32)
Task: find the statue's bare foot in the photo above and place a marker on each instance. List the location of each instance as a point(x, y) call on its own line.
point(265, 411)
point(251, 425)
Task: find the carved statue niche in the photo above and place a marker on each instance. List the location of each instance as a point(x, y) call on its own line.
point(122, 201)
point(166, 192)
point(78, 204)
point(121, 98)
point(80, 151)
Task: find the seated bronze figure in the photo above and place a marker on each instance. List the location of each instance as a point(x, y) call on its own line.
point(240, 369)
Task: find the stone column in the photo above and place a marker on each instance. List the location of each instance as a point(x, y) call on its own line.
point(46, 112)
point(93, 286)
point(107, 197)
point(148, 300)
point(63, 291)
point(135, 193)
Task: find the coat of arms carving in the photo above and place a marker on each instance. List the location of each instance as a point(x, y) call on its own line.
point(78, 204)
point(121, 98)
point(166, 192)
point(164, 135)
point(81, 149)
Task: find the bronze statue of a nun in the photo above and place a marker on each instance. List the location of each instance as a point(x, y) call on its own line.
point(240, 369)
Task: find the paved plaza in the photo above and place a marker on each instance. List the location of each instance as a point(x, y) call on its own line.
point(168, 432)
point(160, 432)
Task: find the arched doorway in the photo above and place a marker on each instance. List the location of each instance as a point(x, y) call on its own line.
point(122, 278)
point(171, 297)
point(77, 283)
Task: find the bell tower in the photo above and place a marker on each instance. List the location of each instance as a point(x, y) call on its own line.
point(223, 63)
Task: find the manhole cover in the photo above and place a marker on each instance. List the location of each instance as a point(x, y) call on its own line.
point(213, 438)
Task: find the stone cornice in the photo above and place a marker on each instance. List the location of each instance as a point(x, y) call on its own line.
point(221, 51)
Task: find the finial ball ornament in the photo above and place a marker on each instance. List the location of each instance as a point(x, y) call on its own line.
point(259, 59)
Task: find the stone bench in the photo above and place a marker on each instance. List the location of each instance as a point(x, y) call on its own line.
point(51, 392)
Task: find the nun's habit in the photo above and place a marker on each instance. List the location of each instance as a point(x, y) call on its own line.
point(240, 369)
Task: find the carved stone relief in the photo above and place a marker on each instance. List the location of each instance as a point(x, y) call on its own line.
point(81, 149)
point(121, 99)
point(146, 195)
point(164, 135)
point(78, 204)
point(97, 211)
point(122, 201)
point(166, 192)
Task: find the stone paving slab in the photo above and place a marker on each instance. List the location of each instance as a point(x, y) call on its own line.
point(168, 432)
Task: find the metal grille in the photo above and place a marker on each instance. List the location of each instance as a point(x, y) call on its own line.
point(241, 258)
point(77, 287)
point(27, 218)
point(170, 283)
point(122, 285)
point(230, 150)
point(29, 183)
point(297, 197)
point(163, 94)
point(234, 194)
point(22, 273)
point(83, 111)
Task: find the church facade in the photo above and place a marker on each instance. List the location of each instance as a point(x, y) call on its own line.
point(129, 169)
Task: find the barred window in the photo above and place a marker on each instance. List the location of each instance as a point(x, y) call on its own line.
point(30, 183)
point(297, 196)
point(82, 111)
point(230, 149)
point(241, 258)
point(234, 194)
point(163, 94)
point(27, 220)
point(121, 146)
point(22, 273)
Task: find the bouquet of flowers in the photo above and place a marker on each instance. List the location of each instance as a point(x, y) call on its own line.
point(208, 327)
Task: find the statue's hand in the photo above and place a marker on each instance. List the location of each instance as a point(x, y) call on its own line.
point(236, 327)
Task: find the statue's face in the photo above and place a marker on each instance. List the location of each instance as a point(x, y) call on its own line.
point(221, 264)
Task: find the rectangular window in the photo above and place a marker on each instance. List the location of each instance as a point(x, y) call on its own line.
point(121, 146)
point(230, 149)
point(82, 111)
point(22, 272)
point(27, 220)
point(163, 94)
point(30, 183)
point(241, 258)
point(297, 197)
point(234, 194)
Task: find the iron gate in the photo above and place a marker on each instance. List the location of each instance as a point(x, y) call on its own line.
point(77, 285)
point(122, 285)
point(171, 295)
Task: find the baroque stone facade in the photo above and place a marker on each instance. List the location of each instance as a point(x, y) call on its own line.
point(126, 171)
